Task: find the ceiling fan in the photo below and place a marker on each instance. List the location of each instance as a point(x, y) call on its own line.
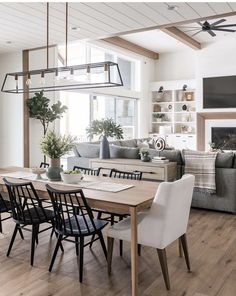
point(209, 28)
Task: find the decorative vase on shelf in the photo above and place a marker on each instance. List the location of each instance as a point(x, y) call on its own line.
point(54, 170)
point(104, 148)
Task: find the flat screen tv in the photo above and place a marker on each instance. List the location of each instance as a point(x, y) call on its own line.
point(219, 92)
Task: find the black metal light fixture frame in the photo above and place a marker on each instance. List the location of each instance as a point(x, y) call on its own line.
point(108, 68)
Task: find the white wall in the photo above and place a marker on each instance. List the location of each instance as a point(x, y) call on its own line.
point(214, 59)
point(11, 115)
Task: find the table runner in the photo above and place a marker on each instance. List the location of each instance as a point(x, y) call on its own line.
point(94, 185)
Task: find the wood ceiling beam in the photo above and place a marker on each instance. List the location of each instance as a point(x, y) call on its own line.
point(132, 47)
point(176, 24)
point(182, 37)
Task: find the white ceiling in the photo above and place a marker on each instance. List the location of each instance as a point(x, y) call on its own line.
point(24, 24)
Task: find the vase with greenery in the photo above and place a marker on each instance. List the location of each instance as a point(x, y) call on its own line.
point(144, 153)
point(105, 128)
point(55, 146)
point(40, 109)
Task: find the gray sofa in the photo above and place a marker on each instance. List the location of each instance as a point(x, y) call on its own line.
point(223, 200)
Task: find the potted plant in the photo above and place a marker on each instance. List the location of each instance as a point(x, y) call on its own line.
point(159, 117)
point(55, 146)
point(39, 109)
point(105, 128)
point(144, 153)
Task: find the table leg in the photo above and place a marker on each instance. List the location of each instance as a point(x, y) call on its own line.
point(134, 251)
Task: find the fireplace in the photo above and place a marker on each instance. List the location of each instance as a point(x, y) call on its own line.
point(224, 137)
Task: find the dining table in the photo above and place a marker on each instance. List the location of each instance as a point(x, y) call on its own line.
point(137, 196)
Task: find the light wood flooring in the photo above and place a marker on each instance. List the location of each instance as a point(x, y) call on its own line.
point(212, 246)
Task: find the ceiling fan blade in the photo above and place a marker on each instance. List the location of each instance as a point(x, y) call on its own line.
point(224, 30)
point(200, 23)
point(225, 26)
point(185, 31)
point(211, 33)
point(218, 22)
point(196, 33)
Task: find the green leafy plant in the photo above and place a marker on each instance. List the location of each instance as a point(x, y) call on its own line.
point(72, 172)
point(105, 127)
point(144, 152)
point(55, 146)
point(39, 109)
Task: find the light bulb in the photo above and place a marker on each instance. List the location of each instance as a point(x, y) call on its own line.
point(16, 80)
point(71, 77)
point(57, 77)
point(28, 81)
point(42, 80)
point(106, 77)
point(88, 74)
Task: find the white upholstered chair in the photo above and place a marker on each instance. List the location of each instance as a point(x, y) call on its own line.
point(165, 222)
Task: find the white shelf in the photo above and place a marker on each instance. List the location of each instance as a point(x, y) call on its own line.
point(183, 102)
point(160, 122)
point(184, 122)
point(162, 102)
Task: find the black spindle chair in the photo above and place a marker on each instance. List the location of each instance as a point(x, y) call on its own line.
point(114, 173)
point(88, 171)
point(4, 208)
point(27, 210)
point(44, 165)
point(69, 224)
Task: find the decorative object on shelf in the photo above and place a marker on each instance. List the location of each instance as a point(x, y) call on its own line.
point(156, 108)
point(170, 107)
point(105, 128)
point(159, 117)
point(38, 172)
point(55, 146)
point(188, 95)
point(161, 89)
point(184, 107)
point(86, 76)
point(144, 153)
point(185, 87)
point(184, 129)
point(72, 176)
point(39, 109)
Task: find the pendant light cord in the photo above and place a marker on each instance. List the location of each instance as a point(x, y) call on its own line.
point(47, 35)
point(66, 33)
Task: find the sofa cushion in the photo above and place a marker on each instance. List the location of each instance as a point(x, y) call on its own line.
point(88, 150)
point(124, 152)
point(116, 142)
point(128, 143)
point(225, 160)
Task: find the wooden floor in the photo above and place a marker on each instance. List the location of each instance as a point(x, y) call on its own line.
point(212, 245)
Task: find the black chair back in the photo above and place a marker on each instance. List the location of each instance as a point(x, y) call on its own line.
point(67, 204)
point(4, 207)
point(88, 171)
point(25, 204)
point(44, 165)
point(135, 175)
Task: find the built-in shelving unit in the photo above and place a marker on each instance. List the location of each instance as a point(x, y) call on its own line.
point(174, 110)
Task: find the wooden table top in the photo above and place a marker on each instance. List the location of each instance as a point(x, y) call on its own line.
point(141, 193)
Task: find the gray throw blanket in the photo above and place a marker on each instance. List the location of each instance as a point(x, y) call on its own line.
point(202, 166)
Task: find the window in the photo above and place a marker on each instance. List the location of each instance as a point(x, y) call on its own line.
point(84, 107)
point(122, 111)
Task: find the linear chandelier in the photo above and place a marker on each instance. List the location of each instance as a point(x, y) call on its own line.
point(86, 76)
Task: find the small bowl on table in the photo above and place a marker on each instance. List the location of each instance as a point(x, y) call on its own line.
point(38, 172)
point(72, 177)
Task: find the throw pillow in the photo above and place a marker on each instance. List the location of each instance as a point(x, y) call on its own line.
point(124, 152)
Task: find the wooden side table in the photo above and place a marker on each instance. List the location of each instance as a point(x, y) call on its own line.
point(151, 170)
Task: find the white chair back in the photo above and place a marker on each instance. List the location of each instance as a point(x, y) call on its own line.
point(169, 213)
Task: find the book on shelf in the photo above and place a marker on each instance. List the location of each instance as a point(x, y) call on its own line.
point(159, 157)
